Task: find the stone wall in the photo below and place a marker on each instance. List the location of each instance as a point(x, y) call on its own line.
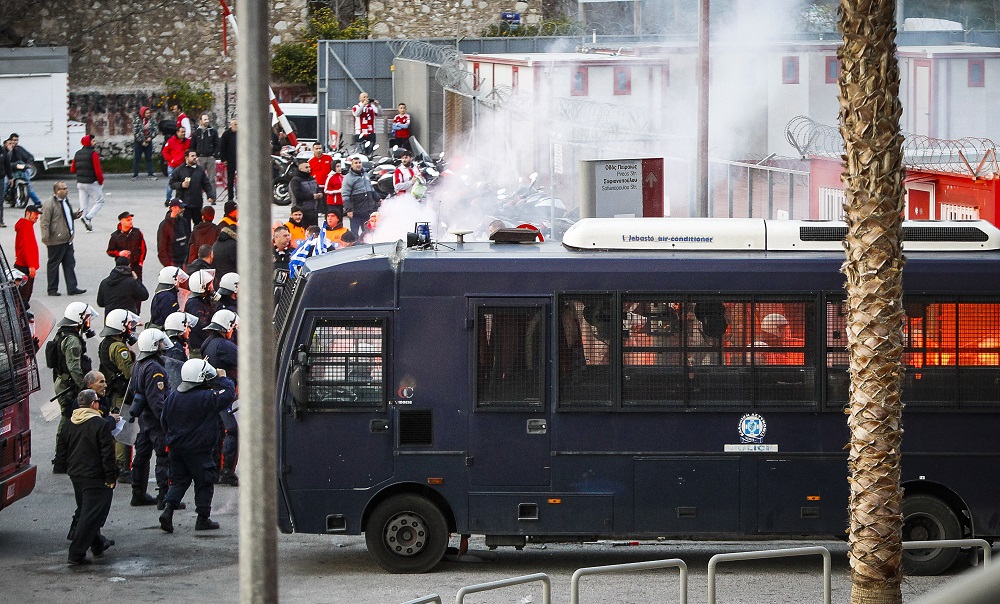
point(121, 51)
point(443, 18)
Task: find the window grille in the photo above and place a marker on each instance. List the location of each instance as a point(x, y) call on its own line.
point(510, 361)
point(346, 364)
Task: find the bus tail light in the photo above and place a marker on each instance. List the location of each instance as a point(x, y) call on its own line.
point(435, 481)
point(812, 497)
point(555, 500)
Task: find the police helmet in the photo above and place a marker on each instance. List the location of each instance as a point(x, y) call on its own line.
point(77, 313)
point(195, 372)
point(171, 275)
point(152, 341)
point(774, 324)
point(229, 284)
point(223, 320)
point(119, 321)
point(177, 322)
point(201, 281)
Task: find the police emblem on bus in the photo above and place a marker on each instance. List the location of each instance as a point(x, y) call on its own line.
point(405, 392)
point(752, 428)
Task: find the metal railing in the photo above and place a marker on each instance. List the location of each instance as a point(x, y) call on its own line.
point(614, 568)
point(541, 577)
point(774, 553)
point(945, 543)
point(425, 600)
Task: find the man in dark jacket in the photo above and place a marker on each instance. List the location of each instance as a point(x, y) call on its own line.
point(18, 155)
point(90, 462)
point(221, 349)
point(205, 142)
point(121, 289)
point(128, 242)
point(227, 153)
point(203, 262)
point(359, 196)
point(305, 194)
point(190, 420)
point(224, 250)
point(89, 181)
point(172, 236)
point(204, 233)
point(190, 182)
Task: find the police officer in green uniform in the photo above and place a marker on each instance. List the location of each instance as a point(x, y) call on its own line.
point(67, 356)
point(116, 360)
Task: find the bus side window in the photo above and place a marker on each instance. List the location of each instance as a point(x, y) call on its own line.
point(345, 364)
point(652, 352)
point(585, 338)
point(510, 363)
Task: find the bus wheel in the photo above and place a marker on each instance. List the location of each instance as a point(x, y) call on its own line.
point(927, 518)
point(407, 534)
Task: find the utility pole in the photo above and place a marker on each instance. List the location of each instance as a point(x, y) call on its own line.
point(701, 180)
point(258, 447)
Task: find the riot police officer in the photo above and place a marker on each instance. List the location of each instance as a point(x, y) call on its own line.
point(190, 421)
point(229, 286)
point(220, 349)
point(165, 297)
point(116, 360)
point(151, 388)
point(67, 356)
point(202, 304)
point(178, 327)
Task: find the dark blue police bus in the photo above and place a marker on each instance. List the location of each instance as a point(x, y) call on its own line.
point(680, 378)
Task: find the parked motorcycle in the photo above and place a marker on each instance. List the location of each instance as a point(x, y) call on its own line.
point(283, 167)
point(17, 189)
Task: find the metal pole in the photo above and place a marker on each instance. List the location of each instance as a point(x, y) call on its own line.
point(701, 186)
point(258, 450)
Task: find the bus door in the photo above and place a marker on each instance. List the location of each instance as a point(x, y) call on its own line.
point(336, 431)
point(509, 419)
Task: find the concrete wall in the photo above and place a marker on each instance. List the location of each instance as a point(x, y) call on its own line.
point(437, 18)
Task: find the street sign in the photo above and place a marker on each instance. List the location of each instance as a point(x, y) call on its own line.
point(625, 187)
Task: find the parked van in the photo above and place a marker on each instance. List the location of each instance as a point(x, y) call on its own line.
point(303, 118)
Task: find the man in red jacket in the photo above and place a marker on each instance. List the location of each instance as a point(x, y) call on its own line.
point(173, 153)
point(26, 251)
point(128, 242)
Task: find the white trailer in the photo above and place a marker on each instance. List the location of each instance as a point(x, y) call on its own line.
point(34, 102)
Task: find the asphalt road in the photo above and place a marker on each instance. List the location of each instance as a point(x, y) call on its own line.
point(147, 565)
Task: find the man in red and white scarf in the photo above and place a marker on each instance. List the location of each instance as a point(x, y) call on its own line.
point(406, 175)
point(364, 119)
point(400, 128)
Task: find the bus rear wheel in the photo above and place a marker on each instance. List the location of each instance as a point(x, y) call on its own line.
point(407, 534)
point(927, 518)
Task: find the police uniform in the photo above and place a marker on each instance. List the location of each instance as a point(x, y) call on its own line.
point(152, 383)
point(68, 377)
point(203, 308)
point(221, 353)
point(190, 422)
point(116, 361)
point(164, 303)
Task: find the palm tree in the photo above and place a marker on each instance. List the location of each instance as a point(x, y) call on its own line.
point(873, 183)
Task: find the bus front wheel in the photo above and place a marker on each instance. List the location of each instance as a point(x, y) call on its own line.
point(407, 534)
point(927, 518)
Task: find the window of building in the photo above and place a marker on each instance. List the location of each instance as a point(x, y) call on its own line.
point(476, 81)
point(514, 77)
point(977, 73)
point(623, 81)
point(789, 70)
point(510, 366)
point(665, 75)
point(579, 85)
point(345, 364)
point(832, 70)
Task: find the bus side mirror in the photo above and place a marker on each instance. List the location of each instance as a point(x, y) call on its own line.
point(299, 386)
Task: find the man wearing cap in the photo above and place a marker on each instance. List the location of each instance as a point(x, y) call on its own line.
point(121, 289)
point(190, 182)
point(172, 236)
point(128, 242)
point(224, 250)
point(26, 251)
point(89, 180)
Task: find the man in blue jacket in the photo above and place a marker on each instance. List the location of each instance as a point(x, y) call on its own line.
point(190, 421)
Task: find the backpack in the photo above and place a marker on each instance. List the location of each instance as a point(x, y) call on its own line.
point(53, 352)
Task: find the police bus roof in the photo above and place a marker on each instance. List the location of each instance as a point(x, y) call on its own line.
point(733, 234)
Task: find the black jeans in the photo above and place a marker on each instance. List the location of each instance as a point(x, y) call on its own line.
point(188, 467)
point(150, 440)
point(137, 152)
point(93, 503)
point(61, 255)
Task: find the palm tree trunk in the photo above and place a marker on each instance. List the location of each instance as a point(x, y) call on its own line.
point(873, 182)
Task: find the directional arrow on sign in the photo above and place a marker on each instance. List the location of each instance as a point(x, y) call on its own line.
point(651, 180)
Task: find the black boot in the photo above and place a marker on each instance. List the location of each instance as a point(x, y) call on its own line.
point(167, 517)
point(228, 478)
point(204, 523)
point(141, 497)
